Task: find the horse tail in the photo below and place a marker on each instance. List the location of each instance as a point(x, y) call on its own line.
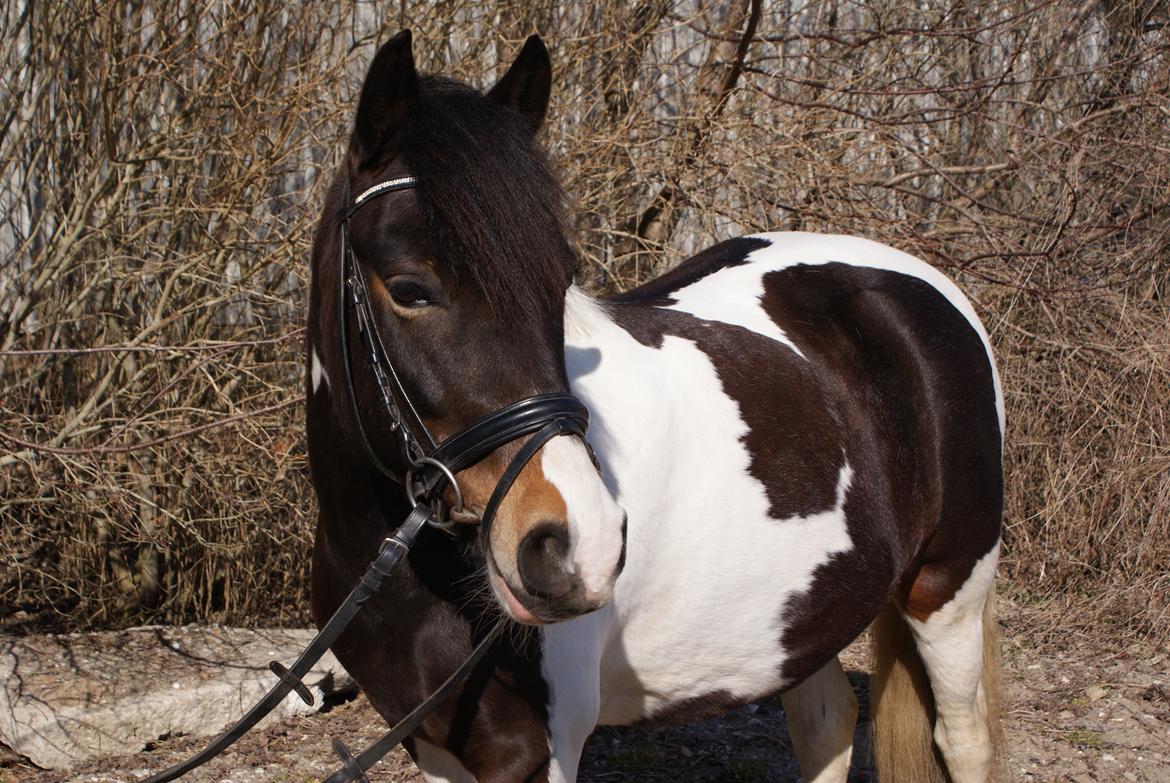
point(902, 704)
point(991, 684)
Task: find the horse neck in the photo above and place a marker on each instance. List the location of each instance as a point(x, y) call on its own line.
point(630, 403)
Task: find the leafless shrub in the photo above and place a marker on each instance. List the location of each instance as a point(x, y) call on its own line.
point(161, 171)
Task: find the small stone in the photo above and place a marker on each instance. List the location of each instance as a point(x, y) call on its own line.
point(1156, 692)
point(1096, 692)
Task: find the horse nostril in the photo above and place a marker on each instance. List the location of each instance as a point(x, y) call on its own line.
point(542, 561)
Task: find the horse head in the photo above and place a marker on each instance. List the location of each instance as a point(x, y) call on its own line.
point(465, 269)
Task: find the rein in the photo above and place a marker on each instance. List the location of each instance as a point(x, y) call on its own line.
point(432, 466)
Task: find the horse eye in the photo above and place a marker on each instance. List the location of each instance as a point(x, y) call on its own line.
point(407, 293)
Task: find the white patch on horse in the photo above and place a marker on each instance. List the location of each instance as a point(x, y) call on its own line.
point(950, 643)
point(439, 765)
point(732, 295)
point(699, 531)
point(595, 520)
point(317, 371)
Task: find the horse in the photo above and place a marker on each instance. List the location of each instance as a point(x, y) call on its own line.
point(792, 437)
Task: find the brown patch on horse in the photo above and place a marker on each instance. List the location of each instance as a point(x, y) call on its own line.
point(934, 586)
point(532, 500)
point(694, 709)
point(916, 401)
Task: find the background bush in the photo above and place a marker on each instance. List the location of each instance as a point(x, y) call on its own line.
point(162, 167)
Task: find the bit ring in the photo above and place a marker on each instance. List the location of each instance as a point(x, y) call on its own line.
point(447, 474)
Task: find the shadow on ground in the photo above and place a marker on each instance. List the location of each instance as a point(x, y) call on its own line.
point(746, 746)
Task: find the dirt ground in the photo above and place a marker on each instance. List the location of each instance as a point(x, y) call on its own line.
point(1076, 710)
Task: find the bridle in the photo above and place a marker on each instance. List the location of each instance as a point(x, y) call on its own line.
point(430, 467)
point(433, 465)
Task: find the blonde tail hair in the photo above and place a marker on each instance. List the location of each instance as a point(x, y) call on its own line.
point(902, 705)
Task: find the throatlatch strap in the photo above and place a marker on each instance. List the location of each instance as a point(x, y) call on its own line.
point(389, 555)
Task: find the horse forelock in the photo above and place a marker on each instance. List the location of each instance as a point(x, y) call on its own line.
point(492, 208)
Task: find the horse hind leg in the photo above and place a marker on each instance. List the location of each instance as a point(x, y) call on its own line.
point(957, 645)
point(822, 715)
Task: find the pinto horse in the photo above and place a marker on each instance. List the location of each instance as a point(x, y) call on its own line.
point(792, 437)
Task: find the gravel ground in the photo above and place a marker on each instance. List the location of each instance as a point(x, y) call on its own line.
point(1077, 710)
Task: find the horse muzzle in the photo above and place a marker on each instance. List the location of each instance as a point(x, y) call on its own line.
point(549, 591)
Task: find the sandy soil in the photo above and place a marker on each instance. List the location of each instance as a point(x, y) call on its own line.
point(1077, 710)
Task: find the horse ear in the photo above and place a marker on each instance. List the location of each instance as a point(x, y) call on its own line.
point(525, 87)
point(388, 94)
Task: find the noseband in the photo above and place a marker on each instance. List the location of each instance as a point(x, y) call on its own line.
point(433, 465)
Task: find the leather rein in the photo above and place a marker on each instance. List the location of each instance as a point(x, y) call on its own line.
point(431, 468)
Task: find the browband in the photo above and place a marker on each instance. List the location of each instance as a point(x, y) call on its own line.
point(389, 186)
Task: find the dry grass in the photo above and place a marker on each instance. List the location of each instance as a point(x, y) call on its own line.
point(161, 172)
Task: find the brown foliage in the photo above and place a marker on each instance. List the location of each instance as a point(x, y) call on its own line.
point(161, 170)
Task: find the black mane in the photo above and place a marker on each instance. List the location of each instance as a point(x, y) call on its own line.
point(492, 207)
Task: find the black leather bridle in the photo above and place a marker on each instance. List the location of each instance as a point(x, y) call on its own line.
point(432, 464)
point(430, 467)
